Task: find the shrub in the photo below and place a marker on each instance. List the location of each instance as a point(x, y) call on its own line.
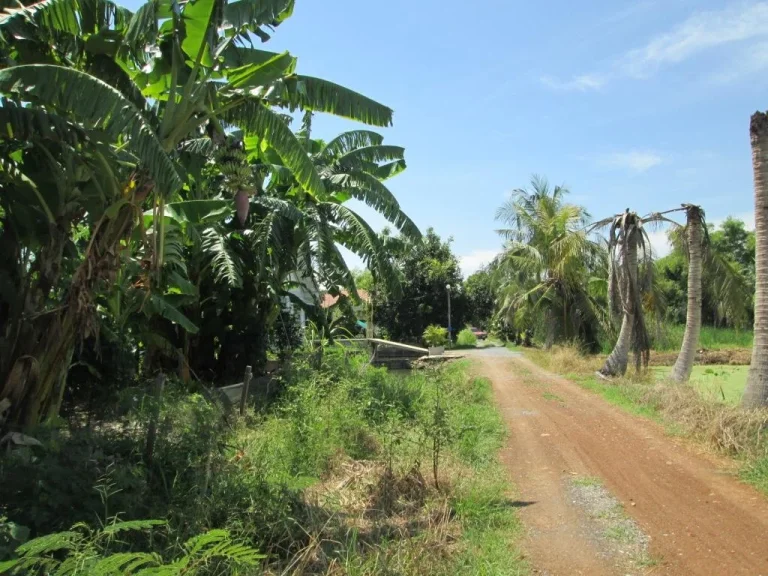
point(466, 338)
point(435, 335)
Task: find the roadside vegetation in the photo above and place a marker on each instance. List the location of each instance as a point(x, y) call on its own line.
point(352, 471)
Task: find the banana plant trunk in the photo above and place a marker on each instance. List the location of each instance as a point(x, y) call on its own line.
point(36, 381)
point(756, 392)
point(616, 363)
point(684, 364)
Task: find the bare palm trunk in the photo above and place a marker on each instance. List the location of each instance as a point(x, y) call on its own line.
point(756, 393)
point(684, 364)
point(616, 363)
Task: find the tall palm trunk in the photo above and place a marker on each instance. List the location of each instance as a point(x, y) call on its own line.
point(684, 364)
point(616, 363)
point(756, 393)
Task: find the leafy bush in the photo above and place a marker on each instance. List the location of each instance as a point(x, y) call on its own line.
point(435, 335)
point(466, 338)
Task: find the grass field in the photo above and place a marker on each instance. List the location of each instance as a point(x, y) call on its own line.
point(720, 382)
point(710, 338)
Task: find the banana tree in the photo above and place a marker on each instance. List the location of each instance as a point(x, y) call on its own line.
point(147, 83)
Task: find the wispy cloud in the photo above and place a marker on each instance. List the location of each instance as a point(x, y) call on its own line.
point(635, 160)
point(701, 32)
point(581, 83)
point(750, 61)
point(472, 262)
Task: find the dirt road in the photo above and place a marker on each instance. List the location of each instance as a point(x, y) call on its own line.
point(700, 520)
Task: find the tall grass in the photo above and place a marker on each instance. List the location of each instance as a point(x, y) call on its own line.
point(353, 471)
point(669, 338)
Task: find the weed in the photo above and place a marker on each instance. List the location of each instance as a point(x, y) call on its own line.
point(619, 533)
point(587, 481)
point(553, 397)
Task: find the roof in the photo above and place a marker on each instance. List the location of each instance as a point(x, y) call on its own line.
point(327, 300)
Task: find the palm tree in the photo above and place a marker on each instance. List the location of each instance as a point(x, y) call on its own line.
point(625, 240)
point(756, 392)
point(695, 228)
point(543, 270)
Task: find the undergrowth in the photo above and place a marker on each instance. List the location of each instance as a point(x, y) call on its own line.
point(353, 470)
point(705, 417)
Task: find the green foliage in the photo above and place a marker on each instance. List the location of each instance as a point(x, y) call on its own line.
point(466, 338)
point(424, 268)
point(81, 550)
point(544, 272)
point(435, 335)
point(481, 298)
point(130, 139)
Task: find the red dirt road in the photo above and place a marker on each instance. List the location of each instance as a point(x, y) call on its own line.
point(701, 521)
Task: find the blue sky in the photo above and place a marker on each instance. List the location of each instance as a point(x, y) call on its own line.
point(642, 104)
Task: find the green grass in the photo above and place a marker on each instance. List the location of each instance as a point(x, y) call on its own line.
point(616, 395)
point(721, 382)
point(710, 338)
point(553, 397)
point(587, 481)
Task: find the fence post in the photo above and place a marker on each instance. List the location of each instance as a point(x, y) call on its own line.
point(244, 395)
point(152, 429)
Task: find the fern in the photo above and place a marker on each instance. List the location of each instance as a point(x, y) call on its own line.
point(86, 553)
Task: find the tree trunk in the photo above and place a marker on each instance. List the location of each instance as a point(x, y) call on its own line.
point(684, 364)
point(616, 363)
point(756, 393)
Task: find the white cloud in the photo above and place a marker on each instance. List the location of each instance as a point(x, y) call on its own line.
point(472, 262)
point(703, 31)
point(660, 245)
point(750, 61)
point(636, 160)
point(581, 83)
point(700, 32)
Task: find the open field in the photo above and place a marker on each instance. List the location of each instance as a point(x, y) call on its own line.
point(725, 383)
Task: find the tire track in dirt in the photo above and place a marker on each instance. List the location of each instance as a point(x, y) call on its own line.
point(701, 521)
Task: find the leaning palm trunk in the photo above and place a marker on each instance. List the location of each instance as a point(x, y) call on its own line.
point(756, 393)
point(684, 364)
point(616, 363)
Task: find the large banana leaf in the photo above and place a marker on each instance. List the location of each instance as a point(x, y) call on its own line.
point(251, 14)
point(97, 105)
point(255, 118)
point(351, 140)
point(197, 21)
point(370, 190)
point(308, 93)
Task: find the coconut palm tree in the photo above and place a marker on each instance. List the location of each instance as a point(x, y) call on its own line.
point(695, 229)
point(756, 392)
point(627, 238)
point(543, 270)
